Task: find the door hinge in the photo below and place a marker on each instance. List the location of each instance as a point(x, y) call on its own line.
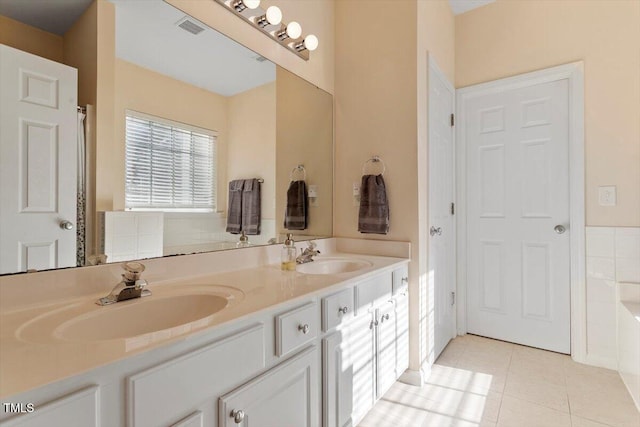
point(453, 298)
point(453, 208)
point(453, 121)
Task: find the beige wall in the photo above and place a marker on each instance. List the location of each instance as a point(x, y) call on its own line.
point(376, 104)
point(315, 16)
point(304, 135)
point(31, 39)
point(252, 141)
point(146, 91)
point(80, 51)
point(512, 37)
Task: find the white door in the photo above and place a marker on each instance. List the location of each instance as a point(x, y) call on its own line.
point(441, 197)
point(518, 250)
point(38, 162)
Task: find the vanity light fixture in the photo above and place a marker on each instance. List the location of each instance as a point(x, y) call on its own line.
point(309, 43)
point(272, 17)
point(269, 22)
point(292, 31)
point(241, 5)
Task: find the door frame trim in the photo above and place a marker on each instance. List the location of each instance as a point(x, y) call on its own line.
point(574, 73)
point(432, 67)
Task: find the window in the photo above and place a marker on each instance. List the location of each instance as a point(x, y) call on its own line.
point(169, 166)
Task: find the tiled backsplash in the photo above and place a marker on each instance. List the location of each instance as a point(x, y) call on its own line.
point(613, 255)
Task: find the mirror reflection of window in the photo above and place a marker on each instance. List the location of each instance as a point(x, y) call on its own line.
point(170, 166)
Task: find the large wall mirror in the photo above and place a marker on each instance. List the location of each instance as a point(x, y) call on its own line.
point(182, 140)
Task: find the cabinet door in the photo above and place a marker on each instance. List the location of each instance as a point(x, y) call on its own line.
point(402, 332)
point(80, 409)
point(337, 381)
point(285, 396)
point(385, 348)
point(361, 362)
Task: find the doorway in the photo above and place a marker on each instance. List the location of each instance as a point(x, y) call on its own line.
point(521, 198)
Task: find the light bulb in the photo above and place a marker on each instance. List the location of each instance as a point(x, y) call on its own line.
point(240, 5)
point(294, 30)
point(311, 42)
point(274, 15)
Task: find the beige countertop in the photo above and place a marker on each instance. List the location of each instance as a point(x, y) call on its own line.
point(34, 359)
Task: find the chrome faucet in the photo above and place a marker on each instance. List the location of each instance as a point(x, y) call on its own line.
point(131, 286)
point(307, 254)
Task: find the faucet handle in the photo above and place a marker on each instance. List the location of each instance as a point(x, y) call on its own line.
point(133, 271)
point(311, 244)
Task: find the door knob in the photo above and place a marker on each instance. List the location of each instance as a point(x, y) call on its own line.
point(66, 225)
point(238, 415)
point(304, 328)
point(343, 310)
point(559, 229)
point(433, 231)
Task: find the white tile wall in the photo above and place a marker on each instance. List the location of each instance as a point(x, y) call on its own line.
point(613, 255)
point(131, 235)
point(186, 232)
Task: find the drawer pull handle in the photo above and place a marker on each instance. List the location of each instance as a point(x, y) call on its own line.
point(304, 328)
point(405, 279)
point(237, 415)
point(384, 317)
point(343, 310)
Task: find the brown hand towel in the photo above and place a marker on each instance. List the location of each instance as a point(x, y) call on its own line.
point(373, 216)
point(234, 213)
point(296, 212)
point(251, 214)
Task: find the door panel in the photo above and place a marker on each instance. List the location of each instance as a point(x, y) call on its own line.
point(517, 191)
point(38, 157)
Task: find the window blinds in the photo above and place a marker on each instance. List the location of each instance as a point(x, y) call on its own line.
point(169, 166)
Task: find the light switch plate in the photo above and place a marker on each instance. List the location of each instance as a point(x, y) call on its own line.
point(607, 195)
point(313, 191)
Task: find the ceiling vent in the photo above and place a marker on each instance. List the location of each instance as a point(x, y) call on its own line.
point(189, 24)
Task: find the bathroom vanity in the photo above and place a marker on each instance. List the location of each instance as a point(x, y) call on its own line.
point(286, 349)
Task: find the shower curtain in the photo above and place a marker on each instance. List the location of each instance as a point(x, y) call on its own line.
point(81, 196)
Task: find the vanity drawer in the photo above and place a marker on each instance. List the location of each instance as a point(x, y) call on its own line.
point(373, 291)
point(296, 328)
point(337, 308)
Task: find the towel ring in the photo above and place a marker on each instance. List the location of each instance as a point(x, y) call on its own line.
point(374, 159)
point(299, 168)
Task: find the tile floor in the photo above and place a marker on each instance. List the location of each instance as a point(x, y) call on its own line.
point(483, 382)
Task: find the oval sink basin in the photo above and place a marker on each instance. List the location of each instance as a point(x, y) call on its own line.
point(332, 266)
point(170, 311)
point(148, 315)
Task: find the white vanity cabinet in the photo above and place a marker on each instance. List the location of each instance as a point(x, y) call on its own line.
point(367, 353)
point(287, 395)
point(159, 395)
point(319, 360)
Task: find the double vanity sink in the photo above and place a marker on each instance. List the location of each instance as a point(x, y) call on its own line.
point(172, 310)
point(217, 334)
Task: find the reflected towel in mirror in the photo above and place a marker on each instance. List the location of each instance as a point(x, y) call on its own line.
point(251, 209)
point(296, 212)
point(234, 213)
